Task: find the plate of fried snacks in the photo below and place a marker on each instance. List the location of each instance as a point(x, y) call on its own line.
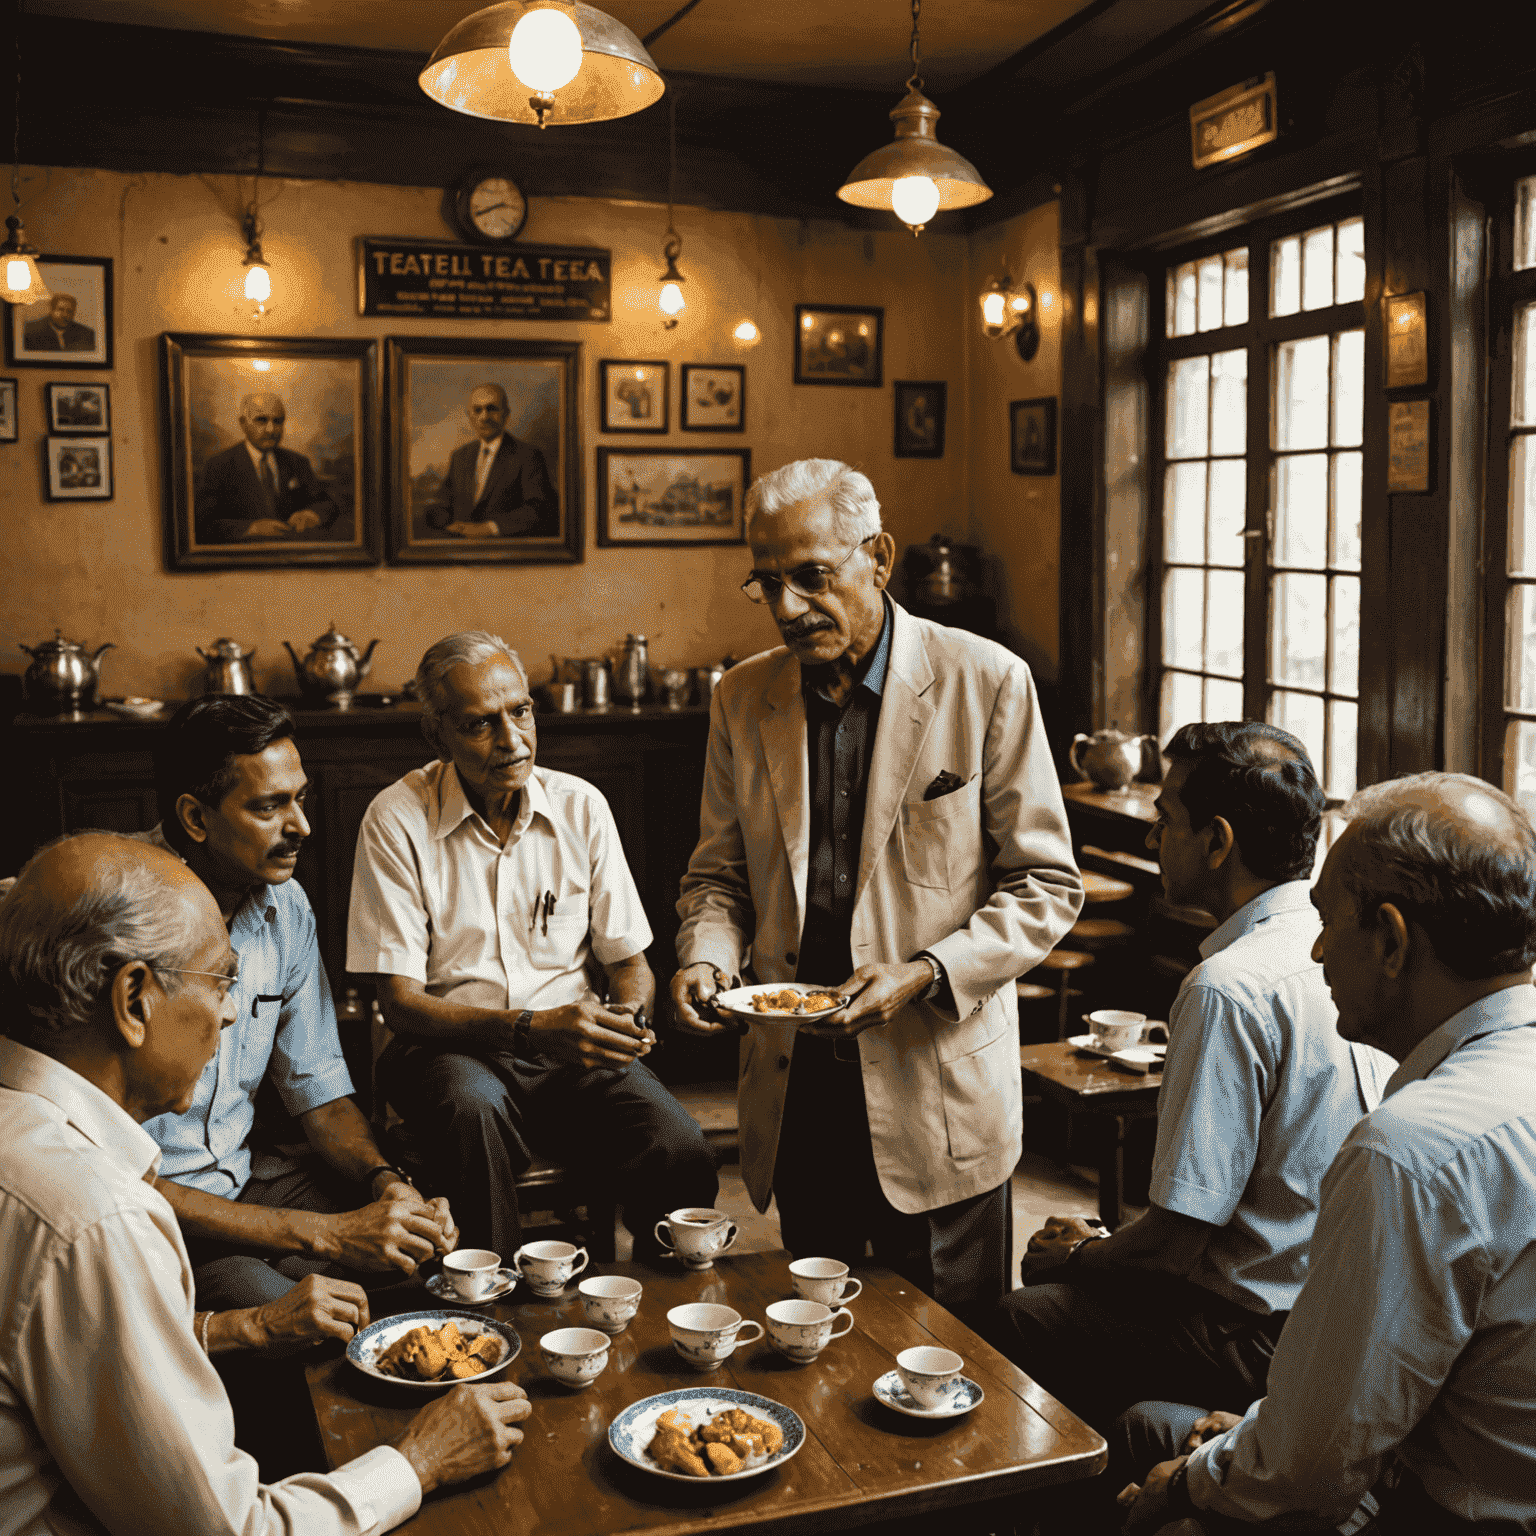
point(706, 1434)
point(775, 1002)
point(429, 1350)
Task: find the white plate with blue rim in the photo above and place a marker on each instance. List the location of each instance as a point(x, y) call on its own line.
point(634, 1429)
point(891, 1391)
point(738, 1002)
point(365, 1348)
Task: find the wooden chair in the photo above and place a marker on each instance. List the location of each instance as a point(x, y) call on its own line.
point(1062, 963)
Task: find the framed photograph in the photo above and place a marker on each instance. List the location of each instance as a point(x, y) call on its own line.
point(920, 418)
point(8, 427)
point(73, 329)
point(78, 468)
point(1032, 436)
point(484, 451)
point(79, 407)
point(1407, 340)
point(634, 395)
point(714, 397)
point(839, 344)
point(1409, 457)
point(670, 496)
point(271, 451)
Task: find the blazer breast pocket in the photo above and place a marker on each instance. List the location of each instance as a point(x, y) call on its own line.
point(936, 836)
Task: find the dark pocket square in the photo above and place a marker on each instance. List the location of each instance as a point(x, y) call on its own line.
point(945, 783)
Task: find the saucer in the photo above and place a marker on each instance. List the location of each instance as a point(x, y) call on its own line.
point(442, 1288)
point(893, 1394)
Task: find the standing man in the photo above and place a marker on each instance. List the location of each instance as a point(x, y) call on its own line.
point(880, 815)
point(497, 487)
point(58, 330)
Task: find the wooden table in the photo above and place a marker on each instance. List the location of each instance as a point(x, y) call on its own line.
point(862, 1462)
point(1090, 1085)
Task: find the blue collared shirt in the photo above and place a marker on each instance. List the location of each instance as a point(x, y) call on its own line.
point(1416, 1329)
point(1259, 1092)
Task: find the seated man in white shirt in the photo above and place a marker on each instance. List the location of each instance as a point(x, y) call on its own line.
point(486, 895)
point(115, 981)
point(1408, 1364)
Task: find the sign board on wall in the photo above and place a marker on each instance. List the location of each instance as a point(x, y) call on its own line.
point(1233, 122)
point(1408, 446)
point(444, 279)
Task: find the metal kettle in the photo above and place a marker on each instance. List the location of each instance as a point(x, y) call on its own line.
point(1111, 758)
point(63, 675)
point(229, 668)
point(632, 676)
point(333, 669)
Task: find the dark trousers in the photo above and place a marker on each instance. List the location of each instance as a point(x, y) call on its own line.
point(831, 1204)
point(480, 1122)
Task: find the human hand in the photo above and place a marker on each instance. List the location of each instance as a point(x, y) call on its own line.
point(692, 985)
point(267, 528)
point(1148, 1504)
point(303, 521)
point(1054, 1242)
point(467, 1431)
point(395, 1233)
point(317, 1308)
point(467, 530)
point(883, 991)
point(437, 1208)
point(590, 1034)
point(1217, 1422)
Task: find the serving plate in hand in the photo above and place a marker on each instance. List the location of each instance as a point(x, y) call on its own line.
point(738, 1002)
point(367, 1346)
point(632, 1431)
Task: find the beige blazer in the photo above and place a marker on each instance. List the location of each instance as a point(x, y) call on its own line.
point(983, 878)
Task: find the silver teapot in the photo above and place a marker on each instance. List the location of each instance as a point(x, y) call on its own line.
point(63, 676)
point(1111, 758)
point(632, 676)
point(229, 668)
point(333, 669)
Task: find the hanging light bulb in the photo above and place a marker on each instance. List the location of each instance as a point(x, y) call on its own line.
point(258, 278)
point(914, 200)
point(23, 283)
point(747, 333)
point(545, 50)
point(670, 300)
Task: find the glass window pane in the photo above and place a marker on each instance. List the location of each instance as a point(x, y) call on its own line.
point(1520, 763)
point(1525, 224)
point(1300, 619)
point(1301, 393)
point(1184, 512)
point(1343, 736)
point(1285, 276)
point(1317, 268)
point(1520, 647)
point(1346, 635)
point(1189, 386)
point(1302, 715)
point(1349, 279)
point(1223, 700)
point(1210, 285)
point(1348, 388)
point(1229, 506)
point(1170, 300)
point(1229, 402)
point(1522, 505)
point(1224, 623)
point(1301, 510)
point(1183, 605)
point(1346, 469)
point(1184, 300)
point(1523, 384)
point(1180, 703)
point(1237, 287)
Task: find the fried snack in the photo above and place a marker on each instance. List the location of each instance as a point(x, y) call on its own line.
point(671, 1450)
point(794, 1002)
point(443, 1354)
point(724, 1445)
point(722, 1459)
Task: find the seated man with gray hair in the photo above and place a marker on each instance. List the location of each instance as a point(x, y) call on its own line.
point(486, 893)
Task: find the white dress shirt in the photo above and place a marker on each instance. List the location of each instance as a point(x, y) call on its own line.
point(1416, 1329)
point(111, 1416)
point(436, 898)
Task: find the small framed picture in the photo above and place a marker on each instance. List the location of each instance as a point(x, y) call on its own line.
point(8, 427)
point(920, 419)
point(634, 395)
point(672, 496)
point(1407, 340)
point(73, 328)
point(78, 407)
point(79, 468)
point(1409, 447)
point(1032, 436)
point(714, 397)
point(839, 344)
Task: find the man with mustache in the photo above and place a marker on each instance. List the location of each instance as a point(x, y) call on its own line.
point(881, 815)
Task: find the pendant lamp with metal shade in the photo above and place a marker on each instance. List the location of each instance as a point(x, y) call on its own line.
point(542, 62)
point(914, 176)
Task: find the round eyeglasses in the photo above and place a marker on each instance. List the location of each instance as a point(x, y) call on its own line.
point(803, 581)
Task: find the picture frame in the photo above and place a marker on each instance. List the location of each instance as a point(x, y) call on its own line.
point(672, 497)
point(1407, 331)
point(10, 428)
point(713, 397)
point(528, 508)
point(52, 335)
point(77, 468)
point(310, 495)
point(919, 418)
point(79, 407)
point(1032, 436)
point(634, 396)
point(840, 344)
point(1410, 447)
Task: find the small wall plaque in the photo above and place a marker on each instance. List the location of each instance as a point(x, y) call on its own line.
point(1407, 340)
point(1233, 122)
point(1408, 446)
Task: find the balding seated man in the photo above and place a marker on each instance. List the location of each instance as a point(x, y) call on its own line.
point(1408, 1363)
point(115, 974)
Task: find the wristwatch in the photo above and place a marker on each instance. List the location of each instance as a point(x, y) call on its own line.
point(521, 1029)
point(937, 984)
point(1097, 1237)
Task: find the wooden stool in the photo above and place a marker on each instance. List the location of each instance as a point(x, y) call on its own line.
point(1130, 865)
point(1063, 962)
point(1096, 933)
point(1098, 889)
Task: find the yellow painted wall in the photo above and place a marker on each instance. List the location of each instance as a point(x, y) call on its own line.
point(94, 569)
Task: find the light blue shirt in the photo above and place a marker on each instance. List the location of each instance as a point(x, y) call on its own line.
point(1416, 1329)
point(1259, 1092)
point(285, 1023)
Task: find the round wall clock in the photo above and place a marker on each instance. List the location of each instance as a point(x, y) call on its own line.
point(489, 208)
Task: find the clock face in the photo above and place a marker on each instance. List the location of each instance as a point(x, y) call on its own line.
point(493, 208)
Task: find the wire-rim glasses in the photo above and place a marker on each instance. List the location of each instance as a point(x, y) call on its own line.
point(805, 581)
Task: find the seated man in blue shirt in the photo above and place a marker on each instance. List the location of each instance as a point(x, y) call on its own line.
point(1408, 1365)
point(1258, 1094)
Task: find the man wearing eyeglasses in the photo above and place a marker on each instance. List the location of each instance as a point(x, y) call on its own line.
point(881, 816)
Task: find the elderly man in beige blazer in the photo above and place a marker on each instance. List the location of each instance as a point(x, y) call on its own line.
point(880, 815)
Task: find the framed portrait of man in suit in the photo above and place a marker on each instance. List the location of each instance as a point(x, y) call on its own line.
point(484, 451)
point(271, 449)
point(72, 327)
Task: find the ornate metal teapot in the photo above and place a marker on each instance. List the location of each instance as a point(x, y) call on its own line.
point(1111, 758)
point(333, 669)
point(63, 675)
point(229, 668)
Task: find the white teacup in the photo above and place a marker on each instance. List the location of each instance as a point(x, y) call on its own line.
point(930, 1375)
point(610, 1301)
point(472, 1272)
point(546, 1267)
point(1116, 1028)
point(575, 1356)
point(704, 1333)
point(824, 1280)
point(696, 1234)
point(800, 1330)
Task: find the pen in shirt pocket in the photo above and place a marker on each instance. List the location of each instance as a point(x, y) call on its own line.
point(542, 907)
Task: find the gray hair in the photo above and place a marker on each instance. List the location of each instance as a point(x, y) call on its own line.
point(505, 403)
point(467, 646)
point(247, 401)
point(55, 963)
point(848, 492)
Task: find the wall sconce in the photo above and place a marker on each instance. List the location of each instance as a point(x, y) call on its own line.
point(1006, 310)
point(747, 334)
